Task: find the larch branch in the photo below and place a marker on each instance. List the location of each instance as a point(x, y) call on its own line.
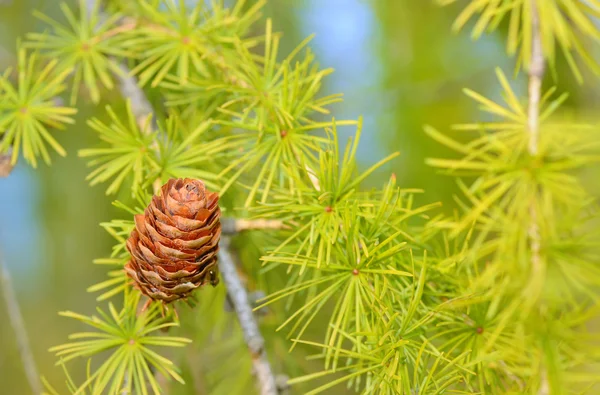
point(141, 107)
point(232, 226)
point(238, 296)
point(536, 75)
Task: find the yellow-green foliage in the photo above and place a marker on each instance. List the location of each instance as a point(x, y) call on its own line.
point(564, 25)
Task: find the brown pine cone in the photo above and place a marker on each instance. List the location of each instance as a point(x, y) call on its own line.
point(175, 242)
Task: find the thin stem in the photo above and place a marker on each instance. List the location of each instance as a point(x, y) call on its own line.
point(536, 74)
point(232, 226)
point(16, 321)
point(267, 384)
point(140, 106)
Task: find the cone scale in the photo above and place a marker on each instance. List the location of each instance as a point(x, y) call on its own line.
point(175, 242)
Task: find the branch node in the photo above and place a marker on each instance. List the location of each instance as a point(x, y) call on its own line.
point(282, 384)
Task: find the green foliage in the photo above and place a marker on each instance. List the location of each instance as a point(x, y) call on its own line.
point(28, 108)
point(130, 338)
point(563, 25)
point(130, 151)
point(72, 387)
point(175, 38)
point(270, 100)
point(384, 361)
point(196, 153)
point(356, 279)
point(86, 47)
point(120, 230)
point(315, 206)
point(117, 282)
point(506, 179)
point(528, 303)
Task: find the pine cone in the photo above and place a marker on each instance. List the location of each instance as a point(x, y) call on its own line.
point(175, 242)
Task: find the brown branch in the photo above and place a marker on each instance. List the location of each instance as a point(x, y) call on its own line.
point(16, 321)
point(238, 296)
point(232, 226)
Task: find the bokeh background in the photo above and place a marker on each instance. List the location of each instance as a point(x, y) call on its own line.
point(396, 62)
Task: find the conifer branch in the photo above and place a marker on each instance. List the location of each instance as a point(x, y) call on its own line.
point(16, 320)
point(141, 107)
point(128, 85)
point(536, 74)
point(231, 226)
point(254, 340)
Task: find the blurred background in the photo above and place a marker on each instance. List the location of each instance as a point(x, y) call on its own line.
point(398, 66)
